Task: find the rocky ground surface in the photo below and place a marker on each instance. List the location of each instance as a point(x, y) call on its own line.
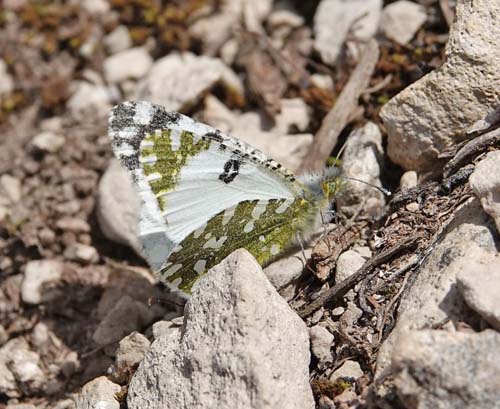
point(396, 305)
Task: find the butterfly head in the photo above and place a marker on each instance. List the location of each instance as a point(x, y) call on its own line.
point(331, 185)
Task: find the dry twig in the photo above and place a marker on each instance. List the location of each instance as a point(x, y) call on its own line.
point(341, 288)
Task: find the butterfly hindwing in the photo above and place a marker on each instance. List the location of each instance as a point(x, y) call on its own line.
point(203, 194)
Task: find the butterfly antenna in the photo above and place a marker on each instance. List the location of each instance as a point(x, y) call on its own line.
point(385, 191)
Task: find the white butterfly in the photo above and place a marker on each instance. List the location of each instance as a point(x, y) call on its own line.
point(204, 194)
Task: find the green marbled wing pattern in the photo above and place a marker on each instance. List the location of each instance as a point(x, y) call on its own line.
point(169, 163)
point(264, 228)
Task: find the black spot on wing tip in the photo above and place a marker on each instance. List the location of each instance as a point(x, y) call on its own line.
point(231, 170)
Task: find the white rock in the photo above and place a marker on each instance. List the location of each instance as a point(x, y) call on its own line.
point(118, 207)
point(284, 17)
point(214, 31)
point(241, 347)
point(48, 141)
point(6, 81)
point(348, 263)
point(401, 20)
point(349, 369)
point(179, 80)
point(321, 343)
point(11, 187)
point(294, 115)
point(19, 368)
point(485, 182)
point(360, 160)
point(408, 180)
point(322, 81)
point(95, 6)
point(126, 316)
point(335, 19)
point(118, 40)
point(88, 99)
point(479, 283)
point(437, 369)
point(289, 150)
point(99, 393)
point(130, 352)
point(133, 63)
point(39, 275)
point(434, 112)
point(73, 224)
point(82, 253)
point(287, 269)
point(434, 296)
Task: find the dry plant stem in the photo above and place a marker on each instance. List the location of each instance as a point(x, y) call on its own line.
point(471, 149)
point(338, 117)
point(341, 288)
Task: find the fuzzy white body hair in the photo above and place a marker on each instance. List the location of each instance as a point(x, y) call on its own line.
point(313, 181)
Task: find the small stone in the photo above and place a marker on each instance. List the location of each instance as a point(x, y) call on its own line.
point(485, 182)
point(161, 328)
point(46, 236)
point(6, 81)
point(322, 81)
point(48, 141)
point(23, 363)
point(118, 40)
point(39, 275)
point(347, 264)
point(479, 283)
point(337, 312)
point(335, 19)
point(73, 224)
point(118, 207)
point(364, 251)
point(361, 161)
point(177, 81)
point(287, 269)
point(98, 393)
point(133, 63)
point(126, 316)
point(130, 353)
point(294, 116)
point(11, 186)
point(82, 253)
point(408, 180)
point(412, 207)
point(401, 20)
point(321, 343)
point(89, 99)
point(70, 364)
point(349, 369)
point(284, 18)
point(20, 406)
point(40, 335)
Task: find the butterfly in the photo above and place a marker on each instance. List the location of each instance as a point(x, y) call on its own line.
point(204, 194)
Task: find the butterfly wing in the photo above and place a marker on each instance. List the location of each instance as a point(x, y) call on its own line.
point(202, 194)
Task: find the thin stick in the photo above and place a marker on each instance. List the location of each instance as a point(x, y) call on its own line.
point(338, 117)
point(341, 288)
